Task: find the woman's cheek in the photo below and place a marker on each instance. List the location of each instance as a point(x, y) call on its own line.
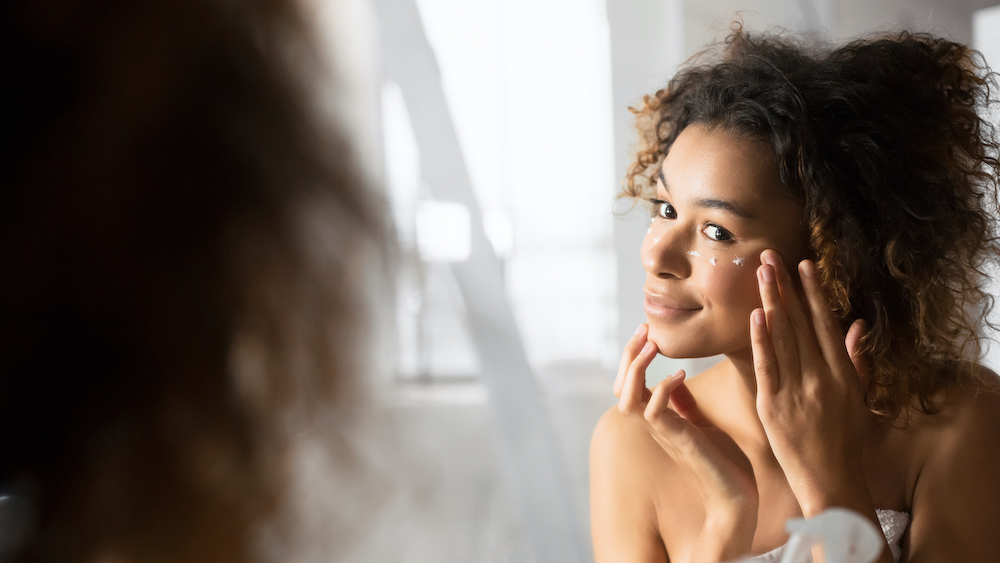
point(732, 285)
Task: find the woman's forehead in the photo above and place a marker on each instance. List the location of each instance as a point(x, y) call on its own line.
point(713, 164)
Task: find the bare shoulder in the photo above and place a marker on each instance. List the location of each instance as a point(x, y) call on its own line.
point(969, 418)
point(956, 500)
point(641, 503)
point(620, 444)
point(978, 403)
point(617, 439)
point(615, 434)
point(623, 516)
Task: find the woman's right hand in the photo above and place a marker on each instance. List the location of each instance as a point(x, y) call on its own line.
point(713, 462)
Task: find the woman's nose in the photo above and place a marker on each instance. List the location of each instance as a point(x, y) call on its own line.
point(666, 252)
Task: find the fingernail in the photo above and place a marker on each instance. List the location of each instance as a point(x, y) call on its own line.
point(758, 317)
point(638, 330)
point(767, 273)
point(807, 268)
point(679, 374)
point(770, 256)
point(647, 348)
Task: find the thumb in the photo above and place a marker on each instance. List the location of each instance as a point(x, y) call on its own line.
point(684, 404)
point(854, 334)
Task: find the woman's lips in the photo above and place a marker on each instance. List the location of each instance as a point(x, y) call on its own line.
point(663, 310)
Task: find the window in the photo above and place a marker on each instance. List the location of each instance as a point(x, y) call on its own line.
point(528, 88)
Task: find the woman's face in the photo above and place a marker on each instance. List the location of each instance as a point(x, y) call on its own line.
point(719, 204)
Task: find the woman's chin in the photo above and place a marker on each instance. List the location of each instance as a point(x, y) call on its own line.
point(679, 344)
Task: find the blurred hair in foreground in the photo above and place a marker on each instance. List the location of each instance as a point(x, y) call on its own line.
point(189, 256)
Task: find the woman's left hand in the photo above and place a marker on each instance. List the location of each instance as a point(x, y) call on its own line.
point(810, 398)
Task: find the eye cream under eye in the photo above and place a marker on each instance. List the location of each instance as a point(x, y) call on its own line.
point(739, 260)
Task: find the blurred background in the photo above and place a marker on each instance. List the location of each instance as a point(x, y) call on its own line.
point(500, 131)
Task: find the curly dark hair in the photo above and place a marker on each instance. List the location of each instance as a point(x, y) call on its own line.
point(881, 141)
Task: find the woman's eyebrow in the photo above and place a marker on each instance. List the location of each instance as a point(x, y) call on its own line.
point(712, 203)
point(725, 206)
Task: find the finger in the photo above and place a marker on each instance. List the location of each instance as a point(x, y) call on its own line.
point(858, 329)
point(632, 348)
point(825, 323)
point(634, 392)
point(658, 412)
point(798, 312)
point(765, 367)
point(680, 438)
point(683, 403)
point(780, 332)
point(661, 399)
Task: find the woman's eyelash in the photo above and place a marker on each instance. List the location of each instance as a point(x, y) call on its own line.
point(717, 233)
point(659, 208)
point(714, 232)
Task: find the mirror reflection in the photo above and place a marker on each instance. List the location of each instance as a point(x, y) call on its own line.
point(505, 281)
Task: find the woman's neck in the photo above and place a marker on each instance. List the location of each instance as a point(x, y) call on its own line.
point(741, 421)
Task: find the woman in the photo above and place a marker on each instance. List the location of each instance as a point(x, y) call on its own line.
point(823, 218)
point(186, 257)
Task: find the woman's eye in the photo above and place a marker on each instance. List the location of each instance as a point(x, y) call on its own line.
point(717, 233)
point(663, 209)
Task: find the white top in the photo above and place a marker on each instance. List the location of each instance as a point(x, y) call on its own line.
point(893, 525)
